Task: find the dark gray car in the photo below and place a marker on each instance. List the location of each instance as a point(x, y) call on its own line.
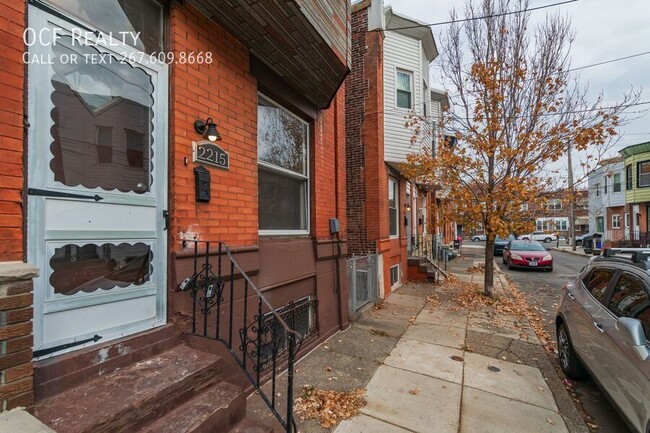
point(603, 328)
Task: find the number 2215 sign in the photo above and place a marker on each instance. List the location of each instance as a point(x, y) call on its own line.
point(209, 153)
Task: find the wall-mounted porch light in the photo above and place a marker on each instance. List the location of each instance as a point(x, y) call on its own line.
point(407, 208)
point(207, 129)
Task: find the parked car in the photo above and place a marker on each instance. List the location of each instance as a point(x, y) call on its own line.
point(578, 240)
point(500, 243)
point(479, 238)
point(603, 327)
point(540, 236)
point(527, 254)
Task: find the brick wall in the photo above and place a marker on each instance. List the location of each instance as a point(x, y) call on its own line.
point(328, 162)
point(226, 91)
point(16, 378)
point(12, 78)
point(367, 183)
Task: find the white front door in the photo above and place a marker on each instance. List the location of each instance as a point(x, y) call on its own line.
point(97, 188)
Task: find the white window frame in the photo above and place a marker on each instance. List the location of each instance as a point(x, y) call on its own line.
point(524, 207)
point(616, 221)
point(399, 276)
point(290, 173)
point(597, 187)
point(554, 204)
point(412, 85)
point(392, 180)
point(619, 183)
point(641, 176)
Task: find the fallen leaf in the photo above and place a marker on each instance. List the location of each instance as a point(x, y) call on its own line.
point(414, 391)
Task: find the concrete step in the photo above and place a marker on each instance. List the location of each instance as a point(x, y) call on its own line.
point(128, 398)
point(217, 409)
point(249, 426)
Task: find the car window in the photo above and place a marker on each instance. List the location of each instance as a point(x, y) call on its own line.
point(630, 299)
point(527, 246)
point(597, 281)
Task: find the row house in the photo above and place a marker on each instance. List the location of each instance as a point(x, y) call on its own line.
point(619, 197)
point(607, 213)
point(171, 168)
point(387, 211)
point(628, 219)
point(554, 214)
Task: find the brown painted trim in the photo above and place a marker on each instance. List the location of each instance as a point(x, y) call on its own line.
point(235, 250)
point(333, 243)
point(269, 82)
point(287, 282)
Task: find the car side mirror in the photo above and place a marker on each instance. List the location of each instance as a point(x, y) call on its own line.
point(633, 336)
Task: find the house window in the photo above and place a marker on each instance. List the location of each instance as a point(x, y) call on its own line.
point(394, 275)
point(393, 202)
point(283, 176)
point(628, 177)
point(627, 219)
point(617, 182)
point(524, 207)
point(554, 204)
point(605, 185)
point(643, 174)
point(597, 188)
point(404, 87)
point(104, 144)
point(299, 315)
point(138, 23)
point(616, 221)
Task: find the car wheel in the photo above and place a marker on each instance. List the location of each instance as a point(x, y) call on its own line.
point(550, 269)
point(547, 240)
point(569, 361)
point(476, 239)
point(525, 238)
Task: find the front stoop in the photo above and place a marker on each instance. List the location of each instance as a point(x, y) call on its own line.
point(179, 390)
point(420, 269)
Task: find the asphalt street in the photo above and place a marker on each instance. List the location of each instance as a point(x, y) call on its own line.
point(543, 291)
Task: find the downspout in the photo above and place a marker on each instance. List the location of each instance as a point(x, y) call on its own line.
point(339, 301)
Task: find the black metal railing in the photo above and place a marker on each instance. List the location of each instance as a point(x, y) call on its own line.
point(430, 248)
point(258, 336)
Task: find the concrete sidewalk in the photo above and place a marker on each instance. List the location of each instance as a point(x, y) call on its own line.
point(568, 249)
point(435, 368)
point(435, 381)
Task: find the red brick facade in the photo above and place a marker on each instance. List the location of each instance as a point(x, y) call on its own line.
point(12, 178)
point(367, 183)
point(226, 91)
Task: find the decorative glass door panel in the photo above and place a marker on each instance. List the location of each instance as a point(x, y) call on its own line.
point(97, 185)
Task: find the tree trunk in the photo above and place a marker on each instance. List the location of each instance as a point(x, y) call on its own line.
point(489, 266)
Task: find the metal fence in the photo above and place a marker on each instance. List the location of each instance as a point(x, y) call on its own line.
point(363, 281)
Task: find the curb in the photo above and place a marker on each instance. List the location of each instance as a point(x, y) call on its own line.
point(575, 253)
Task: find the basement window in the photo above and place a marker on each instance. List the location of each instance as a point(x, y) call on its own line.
point(394, 275)
point(299, 315)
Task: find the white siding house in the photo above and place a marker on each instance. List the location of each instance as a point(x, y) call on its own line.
point(606, 190)
point(407, 55)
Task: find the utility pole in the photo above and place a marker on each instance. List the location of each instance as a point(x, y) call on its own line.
point(572, 231)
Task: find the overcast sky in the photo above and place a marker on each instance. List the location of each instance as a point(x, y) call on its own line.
point(606, 29)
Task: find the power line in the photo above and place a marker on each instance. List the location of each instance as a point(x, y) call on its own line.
point(608, 61)
point(482, 17)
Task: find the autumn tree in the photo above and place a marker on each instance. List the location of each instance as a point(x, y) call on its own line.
point(515, 107)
